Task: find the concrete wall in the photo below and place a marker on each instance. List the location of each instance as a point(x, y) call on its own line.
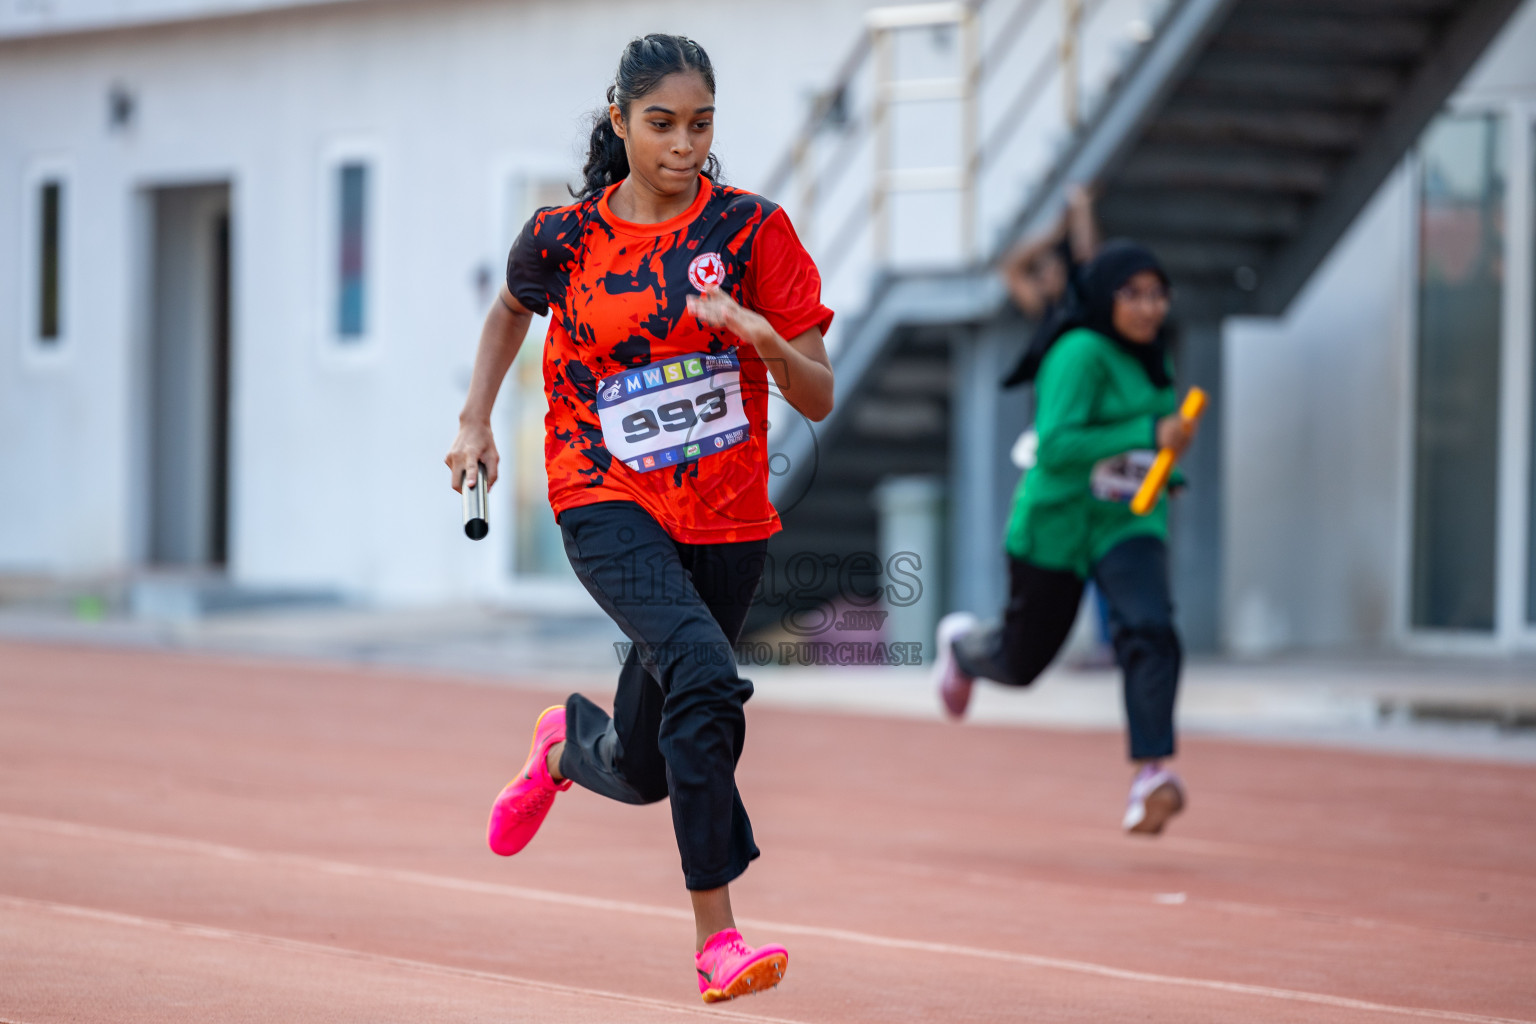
point(1317, 414)
point(337, 477)
point(48, 17)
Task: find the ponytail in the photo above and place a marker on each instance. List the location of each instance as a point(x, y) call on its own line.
point(607, 162)
point(642, 66)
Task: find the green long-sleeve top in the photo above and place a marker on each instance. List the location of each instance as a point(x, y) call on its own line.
point(1093, 402)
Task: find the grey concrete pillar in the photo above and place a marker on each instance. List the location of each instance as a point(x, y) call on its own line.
point(984, 421)
point(1195, 527)
point(911, 549)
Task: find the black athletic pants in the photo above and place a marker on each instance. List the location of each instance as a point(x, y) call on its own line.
point(1042, 605)
point(678, 725)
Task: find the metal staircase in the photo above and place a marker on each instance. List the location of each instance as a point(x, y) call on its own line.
point(1238, 138)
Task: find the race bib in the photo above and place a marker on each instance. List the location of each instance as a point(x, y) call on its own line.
point(1119, 478)
point(673, 411)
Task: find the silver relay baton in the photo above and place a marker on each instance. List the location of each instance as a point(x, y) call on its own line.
point(475, 507)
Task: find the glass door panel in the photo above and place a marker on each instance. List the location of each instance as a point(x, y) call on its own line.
point(1530, 304)
point(1456, 422)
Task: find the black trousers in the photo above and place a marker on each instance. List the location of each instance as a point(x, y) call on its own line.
point(1042, 605)
point(678, 724)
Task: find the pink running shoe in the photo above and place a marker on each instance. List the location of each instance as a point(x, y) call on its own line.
point(1157, 794)
point(520, 809)
point(954, 684)
point(728, 967)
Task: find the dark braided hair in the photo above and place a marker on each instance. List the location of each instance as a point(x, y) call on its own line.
point(642, 66)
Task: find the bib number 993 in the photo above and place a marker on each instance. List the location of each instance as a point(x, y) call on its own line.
point(674, 416)
point(673, 411)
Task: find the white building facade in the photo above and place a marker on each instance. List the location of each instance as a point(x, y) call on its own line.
point(247, 251)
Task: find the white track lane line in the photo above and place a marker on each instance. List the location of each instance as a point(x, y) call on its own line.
point(199, 931)
point(1140, 897)
point(448, 882)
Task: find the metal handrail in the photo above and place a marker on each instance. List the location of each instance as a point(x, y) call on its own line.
point(821, 110)
point(1036, 82)
point(1009, 33)
point(818, 174)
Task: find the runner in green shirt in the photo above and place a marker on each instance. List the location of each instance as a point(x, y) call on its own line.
point(1105, 403)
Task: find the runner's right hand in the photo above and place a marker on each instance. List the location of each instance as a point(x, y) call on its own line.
point(1175, 433)
point(474, 444)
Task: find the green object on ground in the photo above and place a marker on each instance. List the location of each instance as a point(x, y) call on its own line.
point(90, 608)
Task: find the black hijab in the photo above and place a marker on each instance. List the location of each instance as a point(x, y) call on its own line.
point(1090, 303)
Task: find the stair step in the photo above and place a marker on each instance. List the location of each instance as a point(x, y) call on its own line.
point(1325, 38)
point(898, 419)
point(870, 464)
point(1297, 128)
point(1191, 259)
point(1226, 167)
point(925, 342)
point(1226, 215)
point(911, 375)
point(1240, 78)
point(829, 497)
point(831, 547)
point(1355, 8)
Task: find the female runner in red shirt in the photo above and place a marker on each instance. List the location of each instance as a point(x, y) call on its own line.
point(673, 301)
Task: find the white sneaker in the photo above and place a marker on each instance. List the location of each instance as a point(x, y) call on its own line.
point(1157, 794)
point(954, 685)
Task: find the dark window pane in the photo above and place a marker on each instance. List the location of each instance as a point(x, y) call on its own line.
point(50, 225)
point(351, 295)
point(1530, 550)
point(1456, 442)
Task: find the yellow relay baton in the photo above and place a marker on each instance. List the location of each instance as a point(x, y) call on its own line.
point(1157, 476)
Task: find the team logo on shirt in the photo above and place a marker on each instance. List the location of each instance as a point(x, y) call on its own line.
point(706, 271)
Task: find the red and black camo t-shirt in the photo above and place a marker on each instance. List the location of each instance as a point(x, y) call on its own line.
point(617, 296)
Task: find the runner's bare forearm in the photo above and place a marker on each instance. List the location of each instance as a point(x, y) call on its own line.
point(800, 368)
point(1082, 225)
point(506, 325)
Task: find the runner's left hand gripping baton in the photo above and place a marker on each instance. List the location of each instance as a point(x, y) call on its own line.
point(475, 506)
point(1157, 476)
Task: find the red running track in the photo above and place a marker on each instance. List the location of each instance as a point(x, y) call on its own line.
point(191, 839)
